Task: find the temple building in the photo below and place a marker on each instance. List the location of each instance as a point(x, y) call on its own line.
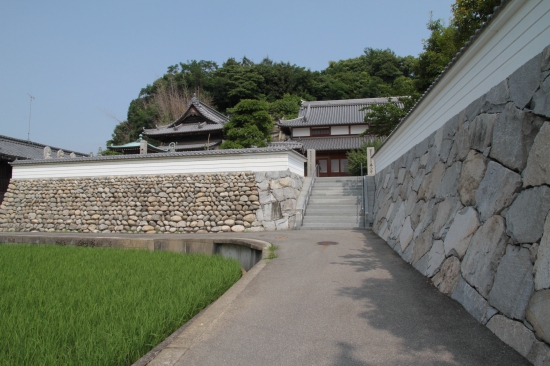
point(331, 128)
point(198, 128)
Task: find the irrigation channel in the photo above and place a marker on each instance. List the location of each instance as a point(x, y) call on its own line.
point(247, 251)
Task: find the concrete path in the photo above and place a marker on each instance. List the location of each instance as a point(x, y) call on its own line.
point(353, 303)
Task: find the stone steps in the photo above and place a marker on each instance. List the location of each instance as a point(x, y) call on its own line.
point(323, 211)
point(335, 203)
point(333, 192)
point(332, 219)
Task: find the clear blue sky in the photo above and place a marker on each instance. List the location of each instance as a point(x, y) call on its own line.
point(83, 60)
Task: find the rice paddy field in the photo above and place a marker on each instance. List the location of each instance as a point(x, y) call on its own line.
point(99, 306)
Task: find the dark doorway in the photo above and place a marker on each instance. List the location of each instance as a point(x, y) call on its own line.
point(5, 176)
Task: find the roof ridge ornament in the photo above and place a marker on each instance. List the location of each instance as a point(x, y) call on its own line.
point(47, 152)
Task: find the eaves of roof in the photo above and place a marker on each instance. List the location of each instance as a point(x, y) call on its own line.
point(188, 147)
point(13, 148)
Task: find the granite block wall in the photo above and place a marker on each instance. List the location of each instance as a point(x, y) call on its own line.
point(198, 203)
point(469, 208)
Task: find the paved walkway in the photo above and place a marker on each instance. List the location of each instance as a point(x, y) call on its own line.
point(353, 303)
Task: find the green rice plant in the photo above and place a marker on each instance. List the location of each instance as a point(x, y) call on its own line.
point(99, 306)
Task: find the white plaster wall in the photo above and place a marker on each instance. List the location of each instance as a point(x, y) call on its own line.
point(517, 34)
point(296, 165)
point(339, 130)
point(357, 129)
point(253, 162)
point(301, 131)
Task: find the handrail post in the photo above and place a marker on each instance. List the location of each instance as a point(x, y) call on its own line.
point(363, 197)
point(306, 201)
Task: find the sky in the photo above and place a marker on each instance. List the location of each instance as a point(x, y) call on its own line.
point(85, 61)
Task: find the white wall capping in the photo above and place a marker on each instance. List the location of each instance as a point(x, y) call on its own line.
point(253, 162)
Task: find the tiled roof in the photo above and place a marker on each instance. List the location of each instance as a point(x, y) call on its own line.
point(214, 121)
point(333, 112)
point(12, 148)
point(183, 129)
point(290, 144)
point(207, 111)
point(160, 155)
point(332, 143)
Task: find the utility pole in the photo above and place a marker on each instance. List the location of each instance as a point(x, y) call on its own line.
point(30, 111)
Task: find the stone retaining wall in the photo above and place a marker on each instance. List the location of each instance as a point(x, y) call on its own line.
point(469, 208)
point(198, 203)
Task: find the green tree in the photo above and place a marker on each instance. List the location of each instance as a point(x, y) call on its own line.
point(469, 15)
point(445, 41)
point(235, 81)
point(249, 126)
point(286, 107)
point(383, 118)
point(439, 50)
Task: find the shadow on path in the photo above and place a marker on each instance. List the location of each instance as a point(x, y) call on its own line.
point(396, 298)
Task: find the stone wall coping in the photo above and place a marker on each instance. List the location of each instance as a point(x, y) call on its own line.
point(136, 241)
point(168, 155)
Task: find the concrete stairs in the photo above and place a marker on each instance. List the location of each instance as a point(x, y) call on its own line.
point(335, 203)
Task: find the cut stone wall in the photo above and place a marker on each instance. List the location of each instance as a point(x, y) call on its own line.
point(469, 208)
point(198, 203)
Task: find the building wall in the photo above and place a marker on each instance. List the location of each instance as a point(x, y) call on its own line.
point(357, 129)
point(339, 130)
point(169, 203)
point(300, 132)
point(469, 207)
point(516, 35)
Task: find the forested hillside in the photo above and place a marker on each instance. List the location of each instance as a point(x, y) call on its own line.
point(375, 73)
